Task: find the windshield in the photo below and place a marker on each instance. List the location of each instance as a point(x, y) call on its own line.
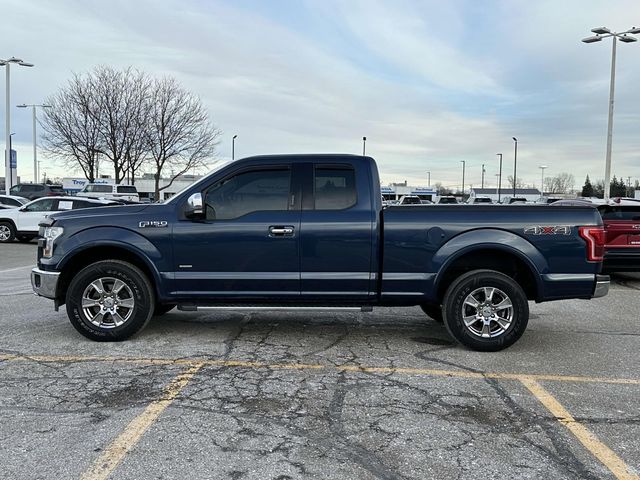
point(216, 168)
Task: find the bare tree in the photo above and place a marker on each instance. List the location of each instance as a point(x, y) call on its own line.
point(180, 136)
point(561, 183)
point(121, 113)
point(71, 131)
point(519, 182)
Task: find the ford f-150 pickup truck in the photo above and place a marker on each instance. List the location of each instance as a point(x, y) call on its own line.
point(309, 231)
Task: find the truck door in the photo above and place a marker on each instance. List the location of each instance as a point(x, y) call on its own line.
point(336, 234)
point(247, 245)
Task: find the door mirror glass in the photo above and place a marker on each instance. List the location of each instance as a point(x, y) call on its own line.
point(194, 206)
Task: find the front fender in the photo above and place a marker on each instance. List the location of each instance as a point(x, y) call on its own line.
point(494, 239)
point(110, 236)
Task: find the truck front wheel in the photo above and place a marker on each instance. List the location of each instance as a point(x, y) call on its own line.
point(110, 300)
point(485, 310)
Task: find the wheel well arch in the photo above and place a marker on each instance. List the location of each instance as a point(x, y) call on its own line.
point(9, 220)
point(491, 258)
point(94, 254)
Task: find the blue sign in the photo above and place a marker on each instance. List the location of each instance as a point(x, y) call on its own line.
point(13, 160)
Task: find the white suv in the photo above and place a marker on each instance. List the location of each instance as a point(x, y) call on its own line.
point(128, 193)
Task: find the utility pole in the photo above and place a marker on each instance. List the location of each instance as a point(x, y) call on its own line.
point(482, 176)
point(499, 177)
point(515, 165)
point(463, 169)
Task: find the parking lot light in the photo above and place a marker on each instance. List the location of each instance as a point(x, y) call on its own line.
point(7, 126)
point(35, 140)
point(625, 37)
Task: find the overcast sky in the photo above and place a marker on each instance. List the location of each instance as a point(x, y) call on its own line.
point(429, 83)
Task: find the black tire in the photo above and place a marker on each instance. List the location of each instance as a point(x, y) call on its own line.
point(433, 311)
point(134, 302)
point(25, 238)
point(162, 308)
point(486, 334)
point(7, 232)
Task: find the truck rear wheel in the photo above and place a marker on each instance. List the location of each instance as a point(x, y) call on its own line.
point(110, 300)
point(485, 310)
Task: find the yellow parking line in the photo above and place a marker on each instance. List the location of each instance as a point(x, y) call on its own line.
point(118, 449)
point(303, 366)
point(603, 453)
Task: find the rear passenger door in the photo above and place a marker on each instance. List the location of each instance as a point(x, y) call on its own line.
point(336, 234)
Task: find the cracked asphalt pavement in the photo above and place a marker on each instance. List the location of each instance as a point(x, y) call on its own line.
point(265, 395)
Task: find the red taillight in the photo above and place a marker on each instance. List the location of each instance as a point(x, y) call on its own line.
point(594, 236)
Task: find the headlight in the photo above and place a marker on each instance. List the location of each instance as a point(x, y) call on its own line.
point(49, 235)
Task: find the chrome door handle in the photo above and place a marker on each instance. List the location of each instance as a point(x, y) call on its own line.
point(281, 231)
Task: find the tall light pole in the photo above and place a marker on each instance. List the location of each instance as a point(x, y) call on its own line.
point(483, 170)
point(499, 176)
point(626, 37)
point(35, 138)
point(515, 165)
point(364, 145)
point(429, 178)
point(233, 147)
point(7, 126)
point(542, 167)
point(464, 164)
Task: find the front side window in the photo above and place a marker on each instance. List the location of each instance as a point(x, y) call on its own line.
point(44, 205)
point(335, 188)
point(256, 190)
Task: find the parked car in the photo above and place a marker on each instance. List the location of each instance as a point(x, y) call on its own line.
point(32, 191)
point(127, 193)
point(447, 200)
point(298, 231)
point(22, 223)
point(517, 200)
point(12, 201)
point(622, 236)
point(410, 200)
point(480, 200)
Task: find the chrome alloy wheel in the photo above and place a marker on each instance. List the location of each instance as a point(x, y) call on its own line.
point(487, 312)
point(5, 233)
point(107, 302)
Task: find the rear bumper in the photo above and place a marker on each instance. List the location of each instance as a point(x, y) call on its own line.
point(622, 260)
point(602, 286)
point(561, 286)
point(44, 283)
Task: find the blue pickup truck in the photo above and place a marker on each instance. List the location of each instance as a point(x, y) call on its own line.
point(309, 232)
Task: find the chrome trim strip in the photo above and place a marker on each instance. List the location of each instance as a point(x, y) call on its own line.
point(407, 276)
point(568, 277)
point(335, 275)
point(237, 276)
point(410, 294)
point(235, 293)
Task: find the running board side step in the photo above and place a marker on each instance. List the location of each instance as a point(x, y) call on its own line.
point(271, 308)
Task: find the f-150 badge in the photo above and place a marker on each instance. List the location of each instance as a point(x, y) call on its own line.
point(153, 223)
point(550, 230)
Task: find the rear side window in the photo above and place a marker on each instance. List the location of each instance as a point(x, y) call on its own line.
point(99, 188)
point(12, 202)
point(629, 213)
point(335, 188)
point(127, 189)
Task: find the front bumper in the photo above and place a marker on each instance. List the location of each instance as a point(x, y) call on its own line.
point(44, 283)
point(602, 286)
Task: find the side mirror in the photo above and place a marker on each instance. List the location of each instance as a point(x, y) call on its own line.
point(194, 206)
